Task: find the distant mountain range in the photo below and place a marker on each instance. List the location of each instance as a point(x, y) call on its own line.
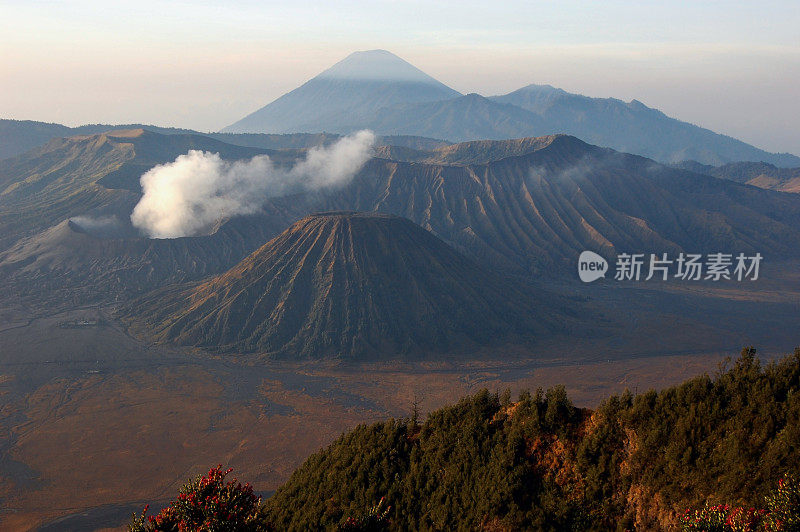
point(762, 175)
point(20, 136)
point(378, 90)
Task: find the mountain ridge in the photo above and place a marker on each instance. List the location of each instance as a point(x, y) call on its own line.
point(762, 175)
point(534, 211)
point(633, 127)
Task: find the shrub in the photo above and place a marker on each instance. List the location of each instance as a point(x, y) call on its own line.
point(783, 506)
point(206, 504)
point(781, 515)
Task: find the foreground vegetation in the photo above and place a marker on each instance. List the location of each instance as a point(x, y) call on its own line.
point(704, 455)
point(781, 513)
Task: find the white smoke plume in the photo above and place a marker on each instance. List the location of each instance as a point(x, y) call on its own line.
point(186, 197)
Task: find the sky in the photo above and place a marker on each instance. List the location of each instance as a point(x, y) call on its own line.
point(733, 67)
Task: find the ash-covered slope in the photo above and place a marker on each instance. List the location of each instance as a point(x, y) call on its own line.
point(545, 200)
point(82, 260)
point(464, 118)
point(349, 285)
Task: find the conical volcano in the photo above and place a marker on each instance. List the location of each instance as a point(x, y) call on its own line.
point(344, 97)
point(349, 285)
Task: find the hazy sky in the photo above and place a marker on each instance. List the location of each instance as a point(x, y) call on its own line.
point(731, 66)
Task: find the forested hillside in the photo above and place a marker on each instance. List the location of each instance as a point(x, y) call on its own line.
point(539, 463)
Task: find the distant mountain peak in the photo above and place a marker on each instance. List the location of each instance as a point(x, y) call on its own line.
point(346, 96)
point(376, 65)
point(536, 87)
